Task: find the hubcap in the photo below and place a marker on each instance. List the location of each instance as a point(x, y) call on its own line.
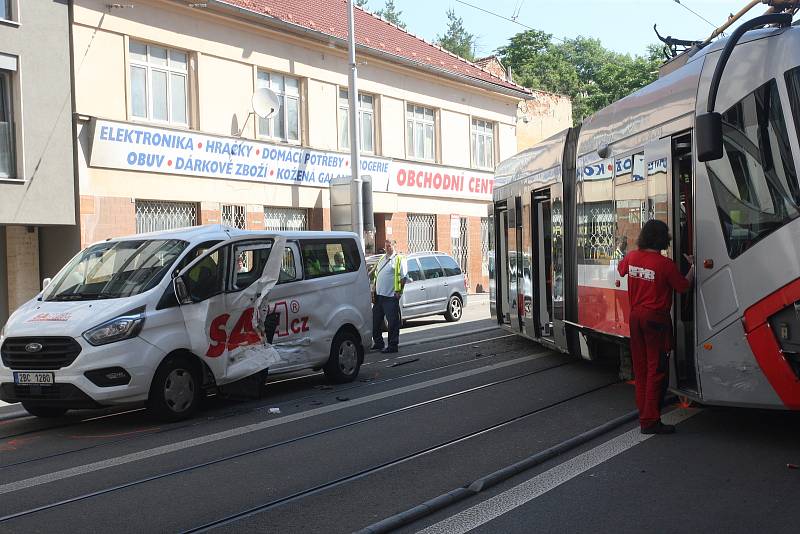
point(455, 308)
point(179, 390)
point(348, 357)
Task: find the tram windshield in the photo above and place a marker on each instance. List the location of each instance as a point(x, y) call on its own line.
point(755, 184)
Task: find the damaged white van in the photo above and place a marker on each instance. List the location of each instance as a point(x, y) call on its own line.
point(166, 316)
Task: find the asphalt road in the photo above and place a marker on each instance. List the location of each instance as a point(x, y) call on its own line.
point(311, 457)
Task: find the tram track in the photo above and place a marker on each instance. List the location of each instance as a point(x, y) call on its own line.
point(262, 405)
point(335, 428)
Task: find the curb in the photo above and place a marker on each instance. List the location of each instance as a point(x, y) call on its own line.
point(448, 336)
point(492, 479)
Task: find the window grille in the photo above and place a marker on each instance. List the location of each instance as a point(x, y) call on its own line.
point(460, 244)
point(233, 215)
point(421, 232)
point(154, 215)
point(285, 218)
point(596, 229)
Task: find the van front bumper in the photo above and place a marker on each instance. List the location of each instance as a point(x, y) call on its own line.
point(72, 387)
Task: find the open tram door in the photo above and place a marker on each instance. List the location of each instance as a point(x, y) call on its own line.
point(670, 199)
point(508, 271)
point(684, 366)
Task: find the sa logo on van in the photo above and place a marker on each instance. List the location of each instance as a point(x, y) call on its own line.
point(243, 333)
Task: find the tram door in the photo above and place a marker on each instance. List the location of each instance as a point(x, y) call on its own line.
point(683, 243)
point(539, 311)
point(513, 305)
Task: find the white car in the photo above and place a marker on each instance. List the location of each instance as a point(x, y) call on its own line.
point(161, 317)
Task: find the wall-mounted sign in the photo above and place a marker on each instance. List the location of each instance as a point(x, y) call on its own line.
point(133, 147)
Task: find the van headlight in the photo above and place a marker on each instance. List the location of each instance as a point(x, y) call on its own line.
point(122, 327)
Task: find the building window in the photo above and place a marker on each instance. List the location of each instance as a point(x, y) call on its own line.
point(366, 119)
point(8, 166)
point(285, 218)
point(482, 144)
point(5, 10)
point(159, 83)
point(285, 122)
point(233, 215)
point(421, 232)
point(155, 215)
point(420, 136)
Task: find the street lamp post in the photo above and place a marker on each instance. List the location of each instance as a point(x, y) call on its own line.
point(355, 134)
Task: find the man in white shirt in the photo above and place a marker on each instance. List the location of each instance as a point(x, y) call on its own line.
point(388, 280)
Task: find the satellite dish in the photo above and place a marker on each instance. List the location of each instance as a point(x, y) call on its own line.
point(265, 102)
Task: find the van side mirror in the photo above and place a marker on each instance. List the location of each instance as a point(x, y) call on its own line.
point(46, 282)
point(708, 130)
point(181, 291)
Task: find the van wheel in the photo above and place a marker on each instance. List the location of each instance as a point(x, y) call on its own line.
point(345, 359)
point(454, 309)
point(44, 411)
point(176, 390)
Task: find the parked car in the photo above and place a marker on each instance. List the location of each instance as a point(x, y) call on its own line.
point(437, 286)
point(160, 317)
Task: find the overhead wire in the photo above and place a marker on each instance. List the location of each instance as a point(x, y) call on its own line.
point(498, 15)
point(695, 13)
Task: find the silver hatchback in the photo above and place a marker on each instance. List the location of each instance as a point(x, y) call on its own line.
point(437, 287)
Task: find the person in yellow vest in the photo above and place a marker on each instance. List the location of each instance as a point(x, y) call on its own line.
point(388, 280)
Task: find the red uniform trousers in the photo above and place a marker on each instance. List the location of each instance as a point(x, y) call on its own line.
point(651, 341)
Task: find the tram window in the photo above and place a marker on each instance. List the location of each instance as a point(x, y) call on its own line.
point(630, 192)
point(755, 184)
point(596, 217)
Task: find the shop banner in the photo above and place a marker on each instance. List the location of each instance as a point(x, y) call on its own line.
point(133, 147)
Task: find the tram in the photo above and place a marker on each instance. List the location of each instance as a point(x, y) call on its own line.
point(712, 150)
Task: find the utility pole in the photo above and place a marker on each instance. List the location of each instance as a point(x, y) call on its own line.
point(355, 135)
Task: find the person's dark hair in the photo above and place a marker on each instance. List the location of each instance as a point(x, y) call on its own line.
point(654, 236)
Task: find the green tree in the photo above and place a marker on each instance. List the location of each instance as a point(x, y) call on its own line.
point(457, 39)
point(389, 13)
point(361, 3)
point(581, 68)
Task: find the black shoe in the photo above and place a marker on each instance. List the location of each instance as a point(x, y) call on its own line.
point(659, 428)
point(389, 350)
point(375, 347)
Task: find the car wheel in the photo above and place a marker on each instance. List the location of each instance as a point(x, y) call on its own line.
point(176, 390)
point(345, 359)
point(454, 309)
point(44, 411)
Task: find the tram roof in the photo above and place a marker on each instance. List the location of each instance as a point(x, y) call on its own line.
point(532, 161)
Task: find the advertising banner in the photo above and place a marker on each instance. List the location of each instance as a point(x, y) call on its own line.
point(133, 147)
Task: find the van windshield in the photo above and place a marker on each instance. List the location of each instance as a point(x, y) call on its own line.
point(115, 270)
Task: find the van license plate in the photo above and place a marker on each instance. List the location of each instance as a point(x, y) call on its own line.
point(34, 379)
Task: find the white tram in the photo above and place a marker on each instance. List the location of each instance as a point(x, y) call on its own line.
point(717, 158)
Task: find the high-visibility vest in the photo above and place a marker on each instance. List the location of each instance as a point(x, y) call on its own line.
point(378, 267)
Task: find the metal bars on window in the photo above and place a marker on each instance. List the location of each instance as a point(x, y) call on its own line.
point(421, 232)
point(285, 218)
point(460, 242)
point(233, 215)
point(155, 215)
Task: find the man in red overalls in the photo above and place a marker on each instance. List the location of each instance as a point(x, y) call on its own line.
point(652, 278)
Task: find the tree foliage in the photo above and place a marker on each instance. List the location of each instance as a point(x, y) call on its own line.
point(390, 13)
point(361, 3)
point(581, 68)
point(457, 39)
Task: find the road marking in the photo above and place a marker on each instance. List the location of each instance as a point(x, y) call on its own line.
point(255, 427)
point(507, 501)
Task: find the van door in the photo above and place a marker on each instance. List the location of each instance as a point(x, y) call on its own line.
point(221, 295)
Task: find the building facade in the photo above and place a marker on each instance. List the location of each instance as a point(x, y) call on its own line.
point(37, 173)
point(167, 137)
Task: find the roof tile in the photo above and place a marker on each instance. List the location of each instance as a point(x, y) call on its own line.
point(330, 17)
